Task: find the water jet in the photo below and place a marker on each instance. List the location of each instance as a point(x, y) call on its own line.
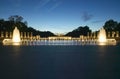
point(15, 38)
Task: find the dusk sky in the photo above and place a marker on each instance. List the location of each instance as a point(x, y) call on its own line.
point(62, 16)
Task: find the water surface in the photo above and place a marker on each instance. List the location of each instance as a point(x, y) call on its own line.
point(60, 62)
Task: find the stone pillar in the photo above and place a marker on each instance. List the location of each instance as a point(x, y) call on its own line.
point(113, 34)
point(28, 35)
point(97, 34)
point(31, 35)
point(10, 34)
point(24, 34)
point(117, 33)
point(94, 35)
point(81, 37)
point(2, 34)
point(21, 35)
point(88, 35)
point(6, 34)
point(91, 35)
point(37, 37)
point(108, 34)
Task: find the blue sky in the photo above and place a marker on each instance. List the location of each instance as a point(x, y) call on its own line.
point(62, 16)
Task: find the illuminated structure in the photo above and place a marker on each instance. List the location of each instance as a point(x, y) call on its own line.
point(15, 38)
point(16, 35)
point(102, 39)
point(102, 35)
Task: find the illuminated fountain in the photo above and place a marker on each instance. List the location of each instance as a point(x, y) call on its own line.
point(102, 35)
point(102, 39)
point(61, 40)
point(16, 35)
point(15, 38)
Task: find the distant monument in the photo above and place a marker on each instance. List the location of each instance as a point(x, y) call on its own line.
point(101, 40)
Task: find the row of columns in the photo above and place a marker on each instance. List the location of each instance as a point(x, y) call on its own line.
point(6, 34)
point(25, 35)
point(114, 34)
point(22, 34)
point(109, 34)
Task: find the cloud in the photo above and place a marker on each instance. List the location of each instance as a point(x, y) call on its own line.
point(86, 16)
point(44, 2)
point(41, 3)
point(16, 3)
point(98, 21)
point(55, 5)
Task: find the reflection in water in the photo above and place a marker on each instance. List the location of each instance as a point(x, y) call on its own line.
point(103, 43)
point(14, 43)
point(60, 42)
point(30, 62)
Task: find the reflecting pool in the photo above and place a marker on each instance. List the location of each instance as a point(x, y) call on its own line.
point(59, 62)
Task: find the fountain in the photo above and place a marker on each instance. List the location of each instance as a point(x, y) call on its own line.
point(15, 38)
point(16, 35)
point(102, 39)
point(102, 35)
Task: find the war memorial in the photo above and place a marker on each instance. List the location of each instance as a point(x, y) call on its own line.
point(17, 37)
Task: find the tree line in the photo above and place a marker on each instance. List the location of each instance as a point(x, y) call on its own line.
point(16, 20)
point(109, 26)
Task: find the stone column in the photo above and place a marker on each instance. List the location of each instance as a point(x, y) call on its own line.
point(94, 35)
point(21, 35)
point(10, 34)
point(91, 35)
point(97, 34)
point(31, 35)
point(2, 34)
point(24, 34)
point(37, 37)
point(28, 35)
point(108, 34)
point(6, 34)
point(113, 34)
point(117, 33)
point(81, 37)
point(88, 35)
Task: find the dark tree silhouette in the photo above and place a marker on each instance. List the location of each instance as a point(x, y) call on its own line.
point(16, 18)
point(118, 27)
point(110, 25)
point(17, 21)
point(82, 30)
